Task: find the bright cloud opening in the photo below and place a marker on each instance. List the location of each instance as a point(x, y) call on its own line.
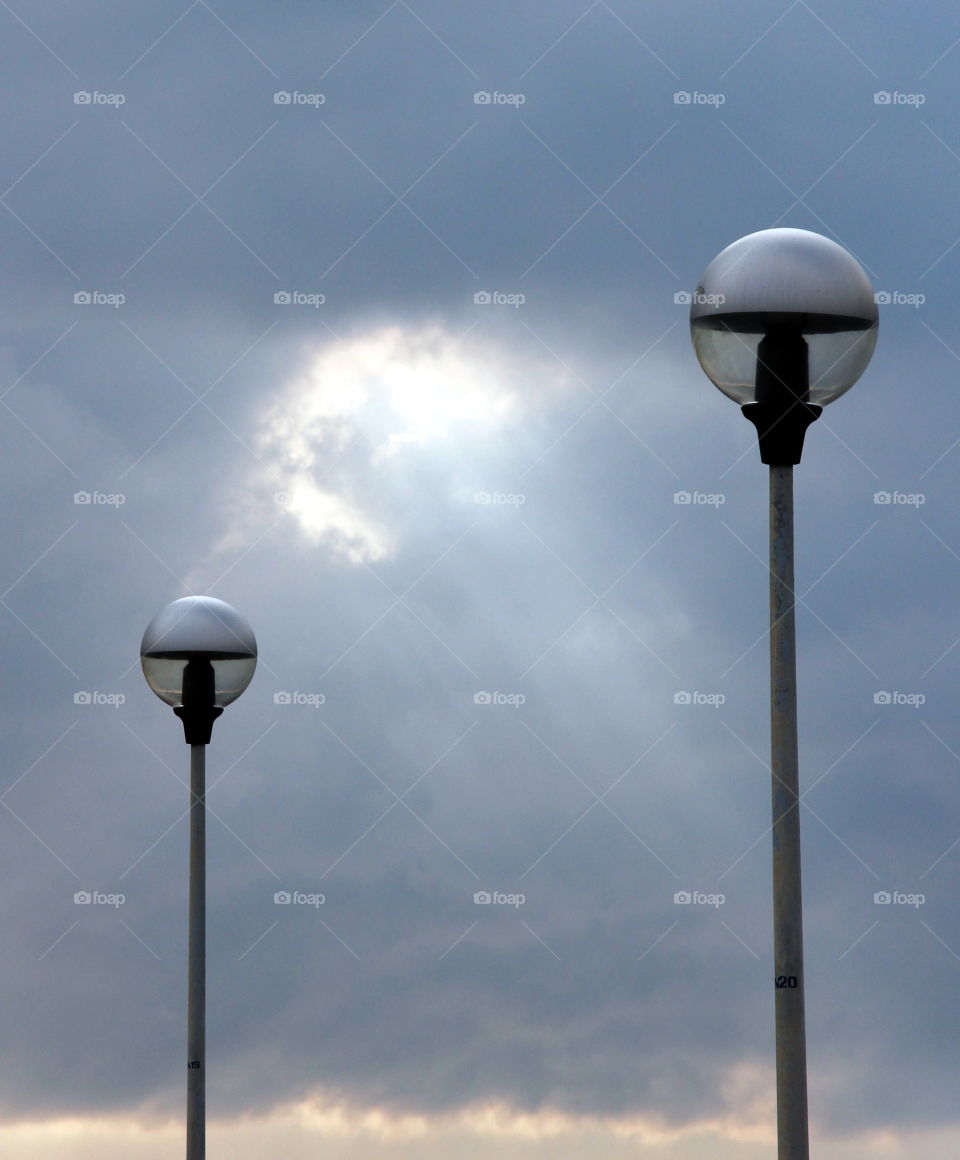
point(344, 430)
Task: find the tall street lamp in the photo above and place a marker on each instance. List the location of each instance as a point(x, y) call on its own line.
point(198, 654)
point(783, 322)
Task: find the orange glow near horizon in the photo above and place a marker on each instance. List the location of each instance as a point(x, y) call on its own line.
point(476, 1132)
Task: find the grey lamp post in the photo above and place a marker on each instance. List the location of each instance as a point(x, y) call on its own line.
point(783, 322)
point(198, 654)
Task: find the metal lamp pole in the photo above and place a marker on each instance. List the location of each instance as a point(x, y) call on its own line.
point(197, 961)
point(198, 654)
point(791, 1037)
point(781, 415)
point(783, 322)
point(198, 713)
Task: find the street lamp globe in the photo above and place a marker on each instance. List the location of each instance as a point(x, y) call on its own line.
point(783, 322)
point(198, 655)
point(784, 315)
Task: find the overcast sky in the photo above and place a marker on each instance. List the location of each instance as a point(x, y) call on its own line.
point(364, 318)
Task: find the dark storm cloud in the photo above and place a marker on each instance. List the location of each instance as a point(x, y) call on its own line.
point(198, 199)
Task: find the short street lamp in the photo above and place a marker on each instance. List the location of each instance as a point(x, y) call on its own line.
point(198, 654)
point(783, 322)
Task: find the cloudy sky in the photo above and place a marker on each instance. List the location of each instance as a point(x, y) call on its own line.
point(363, 318)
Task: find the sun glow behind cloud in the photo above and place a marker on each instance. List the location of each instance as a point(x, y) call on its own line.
point(343, 429)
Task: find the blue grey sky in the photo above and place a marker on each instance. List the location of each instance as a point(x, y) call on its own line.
point(368, 319)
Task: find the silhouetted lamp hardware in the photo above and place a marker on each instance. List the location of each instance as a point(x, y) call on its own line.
point(198, 655)
point(783, 322)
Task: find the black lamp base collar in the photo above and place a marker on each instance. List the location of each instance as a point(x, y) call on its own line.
point(780, 431)
point(198, 722)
